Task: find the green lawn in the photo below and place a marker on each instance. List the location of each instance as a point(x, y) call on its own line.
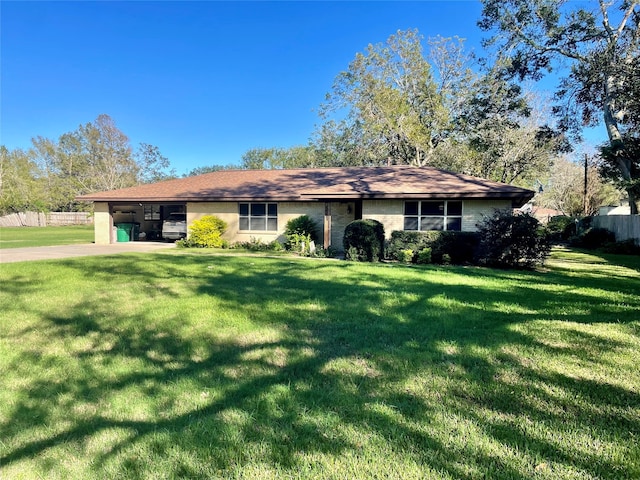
point(16, 237)
point(179, 365)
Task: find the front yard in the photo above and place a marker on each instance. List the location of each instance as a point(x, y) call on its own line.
point(188, 365)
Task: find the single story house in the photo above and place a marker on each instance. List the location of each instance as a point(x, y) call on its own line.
point(259, 203)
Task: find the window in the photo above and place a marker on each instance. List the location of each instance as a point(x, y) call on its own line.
point(259, 217)
point(152, 212)
point(433, 215)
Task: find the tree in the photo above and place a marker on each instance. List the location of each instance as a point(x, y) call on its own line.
point(279, 158)
point(152, 166)
point(262, 158)
point(21, 184)
point(602, 49)
point(209, 169)
point(96, 156)
point(507, 131)
point(395, 113)
point(565, 189)
point(403, 108)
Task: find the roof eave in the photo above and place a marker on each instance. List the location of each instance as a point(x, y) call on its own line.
point(465, 195)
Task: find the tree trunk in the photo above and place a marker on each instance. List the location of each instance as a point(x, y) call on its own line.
point(615, 140)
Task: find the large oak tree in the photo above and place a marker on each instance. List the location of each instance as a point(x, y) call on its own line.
point(601, 47)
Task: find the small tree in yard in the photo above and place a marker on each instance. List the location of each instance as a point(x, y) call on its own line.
point(207, 233)
point(364, 240)
point(512, 241)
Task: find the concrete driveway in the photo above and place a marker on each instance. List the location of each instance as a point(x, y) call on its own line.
point(10, 255)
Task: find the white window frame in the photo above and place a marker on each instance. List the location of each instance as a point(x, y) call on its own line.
point(419, 216)
point(270, 219)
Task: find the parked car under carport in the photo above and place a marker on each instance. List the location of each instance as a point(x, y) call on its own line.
point(174, 227)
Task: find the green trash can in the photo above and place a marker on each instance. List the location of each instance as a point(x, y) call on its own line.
point(124, 231)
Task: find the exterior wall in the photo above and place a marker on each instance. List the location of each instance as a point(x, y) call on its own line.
point(388, 212)
point(103, 224)
point(228, 211)
point(342, 214)
point(473, 211)
point(391, 212)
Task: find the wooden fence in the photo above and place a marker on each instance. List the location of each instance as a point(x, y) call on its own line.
point(624, 226)
point(39, 219)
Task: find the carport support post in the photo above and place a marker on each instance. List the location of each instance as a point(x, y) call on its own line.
point(327, 225)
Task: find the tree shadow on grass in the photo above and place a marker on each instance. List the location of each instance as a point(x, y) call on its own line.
point(335, 355)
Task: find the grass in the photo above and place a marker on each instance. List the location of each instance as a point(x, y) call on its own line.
point(16, 237)
point(179, 365)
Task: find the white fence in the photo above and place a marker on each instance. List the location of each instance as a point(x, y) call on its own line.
point(39, 219)
point(624, 226)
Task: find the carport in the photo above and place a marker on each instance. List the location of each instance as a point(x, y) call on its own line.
point(138, 221)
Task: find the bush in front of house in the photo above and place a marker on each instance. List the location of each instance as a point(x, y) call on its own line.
point(303, 225)
point(300, 232)
point(424, 256)
point(364, 241)
point(512, 241)
point(446, 246)
point(206, 232)
point(255, 244)
point(458, 248)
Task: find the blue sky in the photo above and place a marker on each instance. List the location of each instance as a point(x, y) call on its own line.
point(203, 81)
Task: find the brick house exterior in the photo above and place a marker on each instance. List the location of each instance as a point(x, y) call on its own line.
point(259, 203)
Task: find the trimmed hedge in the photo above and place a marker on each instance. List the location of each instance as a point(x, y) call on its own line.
point(364, 241)
point(446, 247)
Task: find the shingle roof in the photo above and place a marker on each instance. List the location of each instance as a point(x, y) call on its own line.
point(317, 184)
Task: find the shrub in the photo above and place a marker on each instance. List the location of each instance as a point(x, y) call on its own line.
point(561, 228)
point(512, 241)
point(303, 225)
point(461, 247)
point(321, 252)
point(300, 243)
point(352, 254)
point(257, 245)
point(406, 256)
point(401, 241)
point(593, 238)
point(446, 246)
point(364, 240)
point(424, 255)
point(207, 232)
point(624, 247)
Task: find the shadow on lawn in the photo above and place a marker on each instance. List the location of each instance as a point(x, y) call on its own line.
point(385, 357)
